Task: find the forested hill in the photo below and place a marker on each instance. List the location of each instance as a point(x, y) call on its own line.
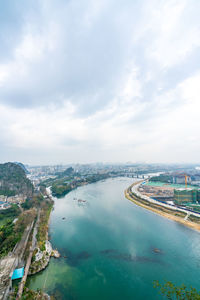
point(22, 166)
point(13, 180)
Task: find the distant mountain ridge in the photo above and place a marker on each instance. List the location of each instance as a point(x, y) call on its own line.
point(13, 180)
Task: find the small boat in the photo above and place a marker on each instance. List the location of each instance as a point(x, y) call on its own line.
point(80, 200)
point(156, 250)
point(63, 218)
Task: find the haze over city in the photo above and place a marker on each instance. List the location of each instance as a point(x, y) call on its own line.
point(85, 81)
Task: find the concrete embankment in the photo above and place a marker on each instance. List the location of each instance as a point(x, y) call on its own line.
point(172, 214)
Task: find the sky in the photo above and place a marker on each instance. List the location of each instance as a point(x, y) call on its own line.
point(100, 80)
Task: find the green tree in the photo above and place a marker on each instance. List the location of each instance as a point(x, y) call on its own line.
point(170, 291)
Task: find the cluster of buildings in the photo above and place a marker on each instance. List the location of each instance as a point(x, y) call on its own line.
point(178, 189)
point(17, 199)
point(5, 202)
point(40, 173)
point(193, 178)
point(188, 195)
point(4, 205)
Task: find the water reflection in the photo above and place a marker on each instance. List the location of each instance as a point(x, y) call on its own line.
point(115, 254)
point(74, 259)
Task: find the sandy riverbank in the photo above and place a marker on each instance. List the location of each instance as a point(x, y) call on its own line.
point(180, 220)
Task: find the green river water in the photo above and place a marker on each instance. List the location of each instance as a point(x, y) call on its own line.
point(108, 248)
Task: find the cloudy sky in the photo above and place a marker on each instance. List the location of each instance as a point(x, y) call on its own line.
point(99, 80)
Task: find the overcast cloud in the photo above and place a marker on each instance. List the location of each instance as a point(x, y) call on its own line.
point(99, 80)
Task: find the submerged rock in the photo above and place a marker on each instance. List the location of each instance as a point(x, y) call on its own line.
point(108, 251)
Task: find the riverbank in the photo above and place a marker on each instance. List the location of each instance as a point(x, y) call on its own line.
point(60, 187)
point(164, 212)
point(30, 294)
point(43, 252)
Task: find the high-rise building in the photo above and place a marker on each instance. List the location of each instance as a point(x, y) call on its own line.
point(183, 196)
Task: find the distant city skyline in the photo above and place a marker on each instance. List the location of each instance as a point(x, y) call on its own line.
point(87, 81)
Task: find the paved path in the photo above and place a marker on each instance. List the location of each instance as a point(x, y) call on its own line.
point(9, 263)
point(28, 263)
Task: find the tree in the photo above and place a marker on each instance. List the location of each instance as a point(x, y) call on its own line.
point(170, 291)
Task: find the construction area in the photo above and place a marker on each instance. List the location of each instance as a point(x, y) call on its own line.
point(176, 194)
point(184, 196)
point(157, 190)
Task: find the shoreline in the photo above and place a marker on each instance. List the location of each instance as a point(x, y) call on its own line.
point(46, 254)
point(131, 197)
point(63, 194)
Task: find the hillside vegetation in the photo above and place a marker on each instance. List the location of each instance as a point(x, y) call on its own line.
point(13, 180)
point(163, 178)
point(11, 233)
point(60, 186)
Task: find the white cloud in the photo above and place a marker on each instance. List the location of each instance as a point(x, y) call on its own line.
point(173, 37)
point(91, 81)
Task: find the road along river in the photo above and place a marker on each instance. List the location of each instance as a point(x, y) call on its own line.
point(114, 249)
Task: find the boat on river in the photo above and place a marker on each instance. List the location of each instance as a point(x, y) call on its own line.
point(81, 201)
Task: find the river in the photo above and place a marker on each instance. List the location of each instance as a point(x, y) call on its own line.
point(108, 247)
